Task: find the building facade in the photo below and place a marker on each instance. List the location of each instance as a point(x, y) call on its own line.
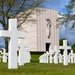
point(42, 33)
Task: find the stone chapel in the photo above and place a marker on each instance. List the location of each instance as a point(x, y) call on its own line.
point(42, 34)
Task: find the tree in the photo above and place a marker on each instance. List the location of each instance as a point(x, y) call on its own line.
point(69, 16)
point(61, 42)
point(73, 47)
point(11, 8)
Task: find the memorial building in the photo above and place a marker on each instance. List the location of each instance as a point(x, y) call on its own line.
point(42, 33)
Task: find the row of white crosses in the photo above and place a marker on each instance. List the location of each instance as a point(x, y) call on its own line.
point(62, 59)
point(24, 55)
point(56, 55)
point(48, 56)
point(67, 58)
point(14, 35)
point(4, 55)
point(44, 58)
point(71, 57)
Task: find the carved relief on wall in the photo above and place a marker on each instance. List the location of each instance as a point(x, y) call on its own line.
point(48, 28)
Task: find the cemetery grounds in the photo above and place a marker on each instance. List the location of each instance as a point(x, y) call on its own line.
point(36, 68)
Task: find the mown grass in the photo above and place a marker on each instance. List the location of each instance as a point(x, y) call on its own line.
point(35, 68)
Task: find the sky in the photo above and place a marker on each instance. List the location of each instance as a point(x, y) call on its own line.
point(56, 4)
point(63, 32)
point(60, 6)
point(2, 43)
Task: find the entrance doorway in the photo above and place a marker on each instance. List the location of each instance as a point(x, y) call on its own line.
point(47, 46)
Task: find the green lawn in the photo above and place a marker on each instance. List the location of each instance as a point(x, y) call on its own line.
point(35, 68)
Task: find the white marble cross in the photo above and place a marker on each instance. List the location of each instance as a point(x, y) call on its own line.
point(0, 55)
point(56, 54)
point(47, 56)
point(71, 56)
point(14, 35)
point(21, 52)
point(60, 58)
point(41, 58)
point(27, 55)
point(4, 55)
point(44, 58)
point(51, 52)
point(74, 57)
point(65, 47)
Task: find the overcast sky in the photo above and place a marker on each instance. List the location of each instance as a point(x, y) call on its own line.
point(60, 6)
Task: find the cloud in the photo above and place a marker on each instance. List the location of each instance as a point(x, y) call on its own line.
point(71, 38)
point(62, 32)
point(66, 32)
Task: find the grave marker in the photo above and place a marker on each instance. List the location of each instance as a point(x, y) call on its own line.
point(60, 58)
point(4, 55)
point(71, 56)
point(65, 47)
point(56, 55)
point(14, 35)
point(21, 52)
point(51, 52)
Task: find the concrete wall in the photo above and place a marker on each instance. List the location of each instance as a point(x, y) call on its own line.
point(37, 32)
point(42, 29)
